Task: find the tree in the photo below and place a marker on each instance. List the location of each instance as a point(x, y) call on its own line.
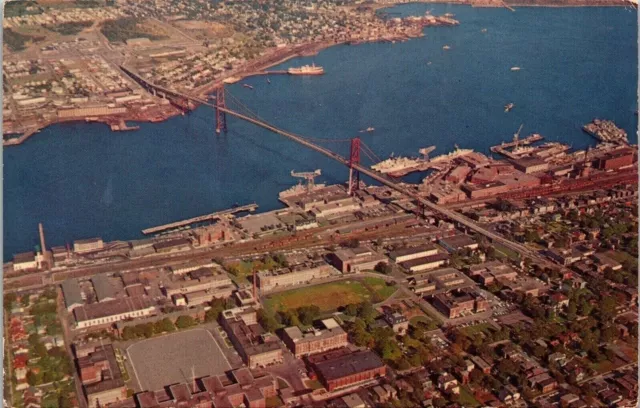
point(165, 325)
point(129, 333)
point(267, 320)
point(383, 267)
point(607, 308)
point(147, 330)
point(308, 314)
point(217, 307)
point(366, 312)
point(9, 300)
point(185, 321)
point(351, 309)
point(32, 378)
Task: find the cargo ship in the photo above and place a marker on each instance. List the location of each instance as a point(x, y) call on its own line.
point(306, 70)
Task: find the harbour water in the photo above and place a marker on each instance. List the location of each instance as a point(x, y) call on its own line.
point(82, 180)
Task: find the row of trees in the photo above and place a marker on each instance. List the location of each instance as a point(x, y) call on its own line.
point(302, 316)
point(165, 325)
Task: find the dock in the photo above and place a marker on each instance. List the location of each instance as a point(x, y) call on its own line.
point(121, 126)
point(202, 218)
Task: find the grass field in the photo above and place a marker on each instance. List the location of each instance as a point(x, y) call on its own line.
point(471, 330)
point(329, 296)
point(509, 253)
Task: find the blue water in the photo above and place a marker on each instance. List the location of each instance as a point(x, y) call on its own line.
point(577, 63)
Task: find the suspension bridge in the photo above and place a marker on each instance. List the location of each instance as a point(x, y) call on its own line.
point(352, 162)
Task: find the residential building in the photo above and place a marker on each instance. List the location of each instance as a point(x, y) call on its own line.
point(101, 376)
point(397, 321)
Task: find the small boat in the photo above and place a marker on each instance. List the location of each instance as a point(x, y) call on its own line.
point(429, 63)
point(446, 47)
point(268, 81)
point(369, 129)
point(247, 86)
point(515, 68)
point(508, 107)
point(449, 15)
point(484, 30)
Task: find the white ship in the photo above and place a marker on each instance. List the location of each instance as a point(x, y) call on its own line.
point(453, 155)
point(394, 164)
point(306, 70)
point(299, 189)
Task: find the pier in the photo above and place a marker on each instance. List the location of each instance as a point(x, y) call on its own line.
point(202, 218)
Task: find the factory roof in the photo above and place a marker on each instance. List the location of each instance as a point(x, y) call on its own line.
point(71, 292)
point(348, 364)
point(425, 260)
point(411, 250)
point(172, 243)
point(111, 308)
point(103, 288)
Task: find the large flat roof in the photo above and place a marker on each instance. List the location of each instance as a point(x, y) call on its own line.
point(71, 292)
point(348, 364)
point(103, 288)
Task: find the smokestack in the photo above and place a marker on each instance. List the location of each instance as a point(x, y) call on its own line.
point(43, 248)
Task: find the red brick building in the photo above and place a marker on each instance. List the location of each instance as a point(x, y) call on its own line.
point(341, 368)
point(616, 159)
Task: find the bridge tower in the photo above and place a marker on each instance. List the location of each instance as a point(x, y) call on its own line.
point(221, 117)
point(354, 158)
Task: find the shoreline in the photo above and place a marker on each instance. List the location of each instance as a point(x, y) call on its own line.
point(255, 67)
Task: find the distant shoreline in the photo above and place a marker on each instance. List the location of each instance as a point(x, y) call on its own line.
point(302, 50)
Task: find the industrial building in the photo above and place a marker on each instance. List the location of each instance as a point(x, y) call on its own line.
point(458, 242)
point(342, 368)
point(109, 312)
point(315, 340)
point(295, 275)
point(87, 245)
point(408, 254)
point(354, 260)
point(174, 245)
point(72, 294)
point(203, 279)
point(616, 159)
point(426, 263)
point(103, 288)
point(25, 261)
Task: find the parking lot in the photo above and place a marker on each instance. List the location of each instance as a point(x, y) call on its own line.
point(176, 358)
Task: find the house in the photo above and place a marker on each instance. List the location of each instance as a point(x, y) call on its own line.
point(397, 321)
point(447, 383)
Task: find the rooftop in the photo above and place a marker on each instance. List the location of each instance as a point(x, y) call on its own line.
point(347, 364)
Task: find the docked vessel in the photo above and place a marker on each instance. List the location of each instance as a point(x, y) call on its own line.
point(306, 70)
point(395, 164)
point(299, 189)
point(606, 131)
point(508, 107)
point(458, 152)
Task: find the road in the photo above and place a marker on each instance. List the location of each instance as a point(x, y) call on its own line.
point(68, 340)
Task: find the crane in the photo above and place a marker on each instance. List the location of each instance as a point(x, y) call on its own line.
point(516, 135)
point(307, 175)
point(425, 152)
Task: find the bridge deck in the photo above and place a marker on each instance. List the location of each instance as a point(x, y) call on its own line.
point(202, 218)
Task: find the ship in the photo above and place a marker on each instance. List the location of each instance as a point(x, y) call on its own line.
point(247, 86)
point(306, 70)
point(446, 47)
point(299, 189)
point(394, 164)
point(458, 152)
point(508, 107)
point(484, 30)
point(515, 68)
point(369, 129)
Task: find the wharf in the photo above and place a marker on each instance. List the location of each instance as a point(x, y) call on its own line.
point(121, 126)
point(202, 218)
